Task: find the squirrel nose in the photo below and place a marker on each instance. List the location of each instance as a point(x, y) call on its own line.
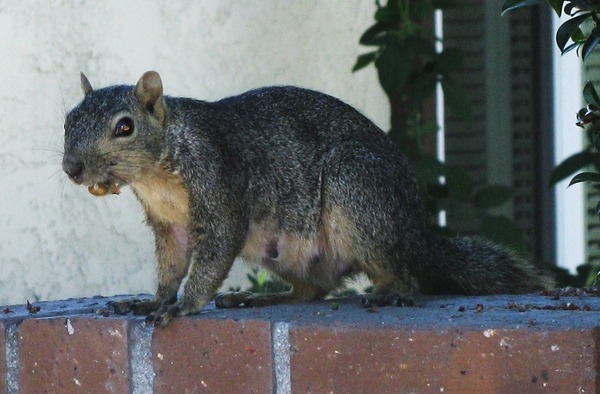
point(73, 167)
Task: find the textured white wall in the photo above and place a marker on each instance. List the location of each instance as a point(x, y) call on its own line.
point(57, 240)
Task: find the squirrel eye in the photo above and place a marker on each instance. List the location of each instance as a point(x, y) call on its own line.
point(124, 127)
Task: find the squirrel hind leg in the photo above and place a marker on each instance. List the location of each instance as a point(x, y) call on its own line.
point(370, 202)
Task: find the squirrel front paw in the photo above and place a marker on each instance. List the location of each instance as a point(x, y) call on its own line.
point(163, 316)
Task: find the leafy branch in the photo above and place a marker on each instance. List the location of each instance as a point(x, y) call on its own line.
point(581, 33)
point(403, 50)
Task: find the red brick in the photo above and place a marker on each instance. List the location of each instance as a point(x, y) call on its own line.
point(200, 355)
point(329, 359)
point(73, 355)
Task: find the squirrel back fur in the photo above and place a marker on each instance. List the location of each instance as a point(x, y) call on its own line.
point(290, 179)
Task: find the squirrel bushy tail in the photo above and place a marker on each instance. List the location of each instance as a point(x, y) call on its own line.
point(474, 266)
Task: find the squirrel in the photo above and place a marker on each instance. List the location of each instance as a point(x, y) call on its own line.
point(290, 179)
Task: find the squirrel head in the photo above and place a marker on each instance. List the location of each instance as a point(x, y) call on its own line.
point(115, 134)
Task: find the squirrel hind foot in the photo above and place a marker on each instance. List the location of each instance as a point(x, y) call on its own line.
point(232, 299)
point(386, 299)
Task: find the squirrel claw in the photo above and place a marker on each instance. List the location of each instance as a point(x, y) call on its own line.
point(163, 316)
point(160, 318)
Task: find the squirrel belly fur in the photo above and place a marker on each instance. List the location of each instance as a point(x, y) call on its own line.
point(290, 179)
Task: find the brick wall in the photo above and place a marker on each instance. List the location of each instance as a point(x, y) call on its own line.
point(498, 344)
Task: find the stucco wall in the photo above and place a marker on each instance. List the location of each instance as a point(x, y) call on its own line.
point(57, 240)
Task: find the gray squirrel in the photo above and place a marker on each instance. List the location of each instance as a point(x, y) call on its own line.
point(290, 179)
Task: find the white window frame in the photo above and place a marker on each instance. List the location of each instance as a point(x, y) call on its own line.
point(568, 139)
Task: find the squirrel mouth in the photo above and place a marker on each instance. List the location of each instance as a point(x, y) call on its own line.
point(102, 189)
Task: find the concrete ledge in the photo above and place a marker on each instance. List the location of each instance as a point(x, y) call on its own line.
point(445, 344)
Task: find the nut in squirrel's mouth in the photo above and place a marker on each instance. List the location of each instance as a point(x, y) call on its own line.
point(102, 189)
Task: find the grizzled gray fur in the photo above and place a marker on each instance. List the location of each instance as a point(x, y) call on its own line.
point(290, 179)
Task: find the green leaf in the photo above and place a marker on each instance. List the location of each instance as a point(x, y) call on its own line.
point(457, 99)
point(568, 29)
point(514, 4)
point(252, 277)
point(504, 231)
point(492, 196)
point(585, 177)
point(578, 5)
point(394, 67)
point(579, 36)
point(262, 277)
point(570, 47)
point(590, 43)
point(570, 165)
point(374, 35)
point(390, 13)
point(590, 94)
point(364, 60)
point(557, 6)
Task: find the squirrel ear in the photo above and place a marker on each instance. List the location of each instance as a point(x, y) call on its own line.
point(149, 91)
point(86, 86)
